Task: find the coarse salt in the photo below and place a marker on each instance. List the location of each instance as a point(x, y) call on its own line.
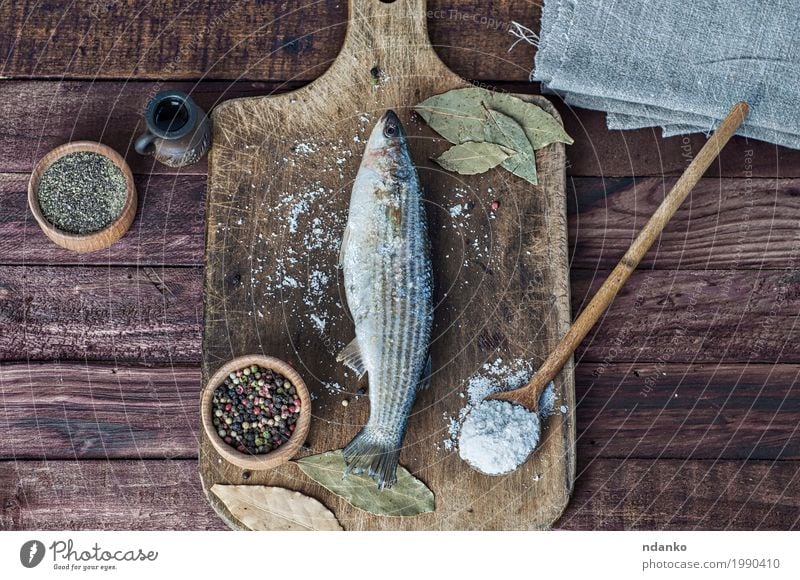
point(498, 436)
point(512, 434)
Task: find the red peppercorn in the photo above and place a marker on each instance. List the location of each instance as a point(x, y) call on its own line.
point(495, 205)
point(256, 411)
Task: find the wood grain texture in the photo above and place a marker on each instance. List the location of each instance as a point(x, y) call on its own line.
point(103, 495)
point(684, 495)
point(168, 229)
point(695, 316)
point(517, 291)
point(688, 411)
point(229, 39)
point(111, 112)
point(609, 494)
point(154, 315)
point(74, 410)
point(145, 315)
point(725, 224)
point(623, 410)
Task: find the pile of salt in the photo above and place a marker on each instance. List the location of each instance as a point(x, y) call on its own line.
point(498, 436)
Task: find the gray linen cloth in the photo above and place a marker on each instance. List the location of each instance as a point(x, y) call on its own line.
point(678, 64)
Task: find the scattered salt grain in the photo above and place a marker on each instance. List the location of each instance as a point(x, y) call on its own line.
point(333, 388)
point(304, 148)
point(547, 402)
point(498, 436)
point(319, 323)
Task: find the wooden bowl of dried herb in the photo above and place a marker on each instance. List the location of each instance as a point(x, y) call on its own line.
point(82, 196)
point(256, 412)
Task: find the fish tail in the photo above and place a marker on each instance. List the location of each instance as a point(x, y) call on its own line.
point(372, 452)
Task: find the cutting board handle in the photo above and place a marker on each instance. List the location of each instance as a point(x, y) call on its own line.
point(390, 38)
point(403, 20)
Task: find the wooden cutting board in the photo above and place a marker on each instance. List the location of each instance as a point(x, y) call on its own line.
point(280, 174)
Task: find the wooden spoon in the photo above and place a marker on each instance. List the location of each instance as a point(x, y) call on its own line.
point(528, 396)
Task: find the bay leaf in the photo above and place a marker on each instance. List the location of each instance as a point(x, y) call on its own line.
point(407, 497)
point(471, 158)
point(503, 129)
point(259, 507)
point(540, 126)
point(458, 116)
point(454, 116)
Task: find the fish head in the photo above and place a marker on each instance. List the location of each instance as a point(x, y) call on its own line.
point(387, 147)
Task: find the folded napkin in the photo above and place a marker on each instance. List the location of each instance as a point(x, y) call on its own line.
point(676, 64)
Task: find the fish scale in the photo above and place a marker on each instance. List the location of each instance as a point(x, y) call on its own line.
point(388, 284)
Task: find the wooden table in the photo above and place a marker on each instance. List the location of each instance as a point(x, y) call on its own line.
point(688, 404)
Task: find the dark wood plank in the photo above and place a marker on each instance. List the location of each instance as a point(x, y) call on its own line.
point(110, 112)
point(609, 494)
point(685, 495)
point(597, 151)
point(98, 410)
point(101, 410)
point(229, 39)
point(103, 495)
point(154, 315)
point(146, 315)
point(646, 410)
point(729, 223)
point(695, 316)
point(725, 223)
point(168, 229)
point(39, 116)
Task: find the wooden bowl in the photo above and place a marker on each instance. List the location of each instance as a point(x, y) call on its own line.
point(283, 453)
point(95, 240)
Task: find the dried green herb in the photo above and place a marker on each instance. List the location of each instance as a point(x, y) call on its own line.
point(503, 129)
point(82, 192)
point(458, 116)
point(476, 115)
point(407, 497)
point(258, 507)
point(471, 158)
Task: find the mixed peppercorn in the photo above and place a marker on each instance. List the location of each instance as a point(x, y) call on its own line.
point(255, 410)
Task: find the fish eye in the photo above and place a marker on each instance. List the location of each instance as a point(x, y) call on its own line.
point(390, 130)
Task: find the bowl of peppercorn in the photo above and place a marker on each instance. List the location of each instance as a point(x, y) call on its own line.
point(256, 411)
point(82, 195)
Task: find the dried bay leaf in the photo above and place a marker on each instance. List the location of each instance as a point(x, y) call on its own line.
point(541, 127)
point(259, 507)
point(503, 129)
point(458, 116)
point(407, 497)
point(471, 158)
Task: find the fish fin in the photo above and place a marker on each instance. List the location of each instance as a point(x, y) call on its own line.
point(351, 356)
point(343, 246)
point(370, 451)
point(425, 377)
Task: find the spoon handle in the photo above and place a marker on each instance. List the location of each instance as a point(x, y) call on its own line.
point(605, 295)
